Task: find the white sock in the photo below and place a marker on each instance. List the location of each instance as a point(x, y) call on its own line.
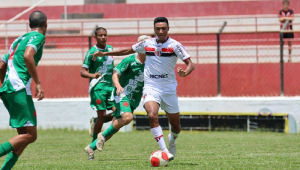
point(173, 137)
point(159, 137)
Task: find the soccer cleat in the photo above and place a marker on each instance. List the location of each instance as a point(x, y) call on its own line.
point(100, 142)
point(171, 157)
point(172, 147)
point(92, 123)
point(90, 152)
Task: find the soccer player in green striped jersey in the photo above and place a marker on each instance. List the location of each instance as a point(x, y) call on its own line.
point(100, 74)
point(20, 64)
point(129, 82)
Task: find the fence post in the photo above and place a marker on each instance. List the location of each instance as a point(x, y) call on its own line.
point(218, 58)
point(281, 58)
point(90, 42)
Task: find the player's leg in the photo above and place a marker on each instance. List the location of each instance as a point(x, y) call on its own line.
point(151, 104)
point(124, 116)
point(290, 51)
point(22, 113)
point(26, 136)
point(108, 118)
point(98, 102)
point(90, 148)
point(170, 105)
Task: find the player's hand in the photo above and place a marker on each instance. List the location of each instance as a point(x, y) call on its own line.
point(181, 72)
point(120, 90)
point(96, 75)
point(39, 92)
point(96, 54)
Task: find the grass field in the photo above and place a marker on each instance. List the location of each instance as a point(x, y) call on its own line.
point(64, 149)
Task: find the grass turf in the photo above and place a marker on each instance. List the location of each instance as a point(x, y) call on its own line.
point(64, 149)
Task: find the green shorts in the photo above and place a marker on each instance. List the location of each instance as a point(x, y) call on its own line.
point(123, 107)
point(21, 109)
point(100, 99)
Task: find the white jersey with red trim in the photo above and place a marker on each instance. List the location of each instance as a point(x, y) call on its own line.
point(160, 62)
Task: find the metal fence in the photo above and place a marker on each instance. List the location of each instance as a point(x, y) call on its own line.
point(248, 64)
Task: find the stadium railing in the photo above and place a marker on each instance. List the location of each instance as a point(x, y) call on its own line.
point(249, 53)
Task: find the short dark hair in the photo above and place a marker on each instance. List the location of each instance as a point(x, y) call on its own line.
point(161, 19)
point(37, 19)
point(286, 1)
point(99, 28)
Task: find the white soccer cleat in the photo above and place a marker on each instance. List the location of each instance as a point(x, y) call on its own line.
point(90, 152)
point(171, 157)
point(172, 147)
point(100, 142)
point(92, 125)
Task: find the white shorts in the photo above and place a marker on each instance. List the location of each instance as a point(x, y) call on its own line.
point(168, 101)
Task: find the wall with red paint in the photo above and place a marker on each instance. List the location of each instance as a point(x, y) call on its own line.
point(236, 80)
point(154, 10)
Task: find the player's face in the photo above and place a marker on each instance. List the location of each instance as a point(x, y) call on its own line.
point(286, 6)
point(161, 30)
point(101, 37)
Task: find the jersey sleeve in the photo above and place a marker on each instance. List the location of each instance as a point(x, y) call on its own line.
point(180, 51)
point(36, 41)
point(139, 47)
point(5, 58)
point(123, 66)
point(87, 60)
point(292, 12)
point(280, 13)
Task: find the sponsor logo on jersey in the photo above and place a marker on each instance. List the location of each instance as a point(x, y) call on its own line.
point(161, 76)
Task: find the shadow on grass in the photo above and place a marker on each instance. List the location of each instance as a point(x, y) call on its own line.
point(185, 164)
point(113, 160)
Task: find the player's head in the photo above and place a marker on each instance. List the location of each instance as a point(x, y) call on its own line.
point(143, 37)
point(161, 27)
point(101, 35)
point(286, 4)
point(142, 56)
point(38, 19)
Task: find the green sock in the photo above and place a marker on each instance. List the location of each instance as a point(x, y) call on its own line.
point(10, 161)
point(5, 148)
point(109, 131)
point(93, 145)
point(94, 136)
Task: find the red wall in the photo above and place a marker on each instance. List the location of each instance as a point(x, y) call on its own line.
point(155, 10)
point(236, 80)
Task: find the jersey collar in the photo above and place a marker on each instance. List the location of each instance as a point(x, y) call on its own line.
point(161, 43)
point(100, 48)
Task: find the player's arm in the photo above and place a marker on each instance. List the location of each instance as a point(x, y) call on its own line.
point(189, 68)
point(180, 51)
point(280, 17)
point(85, 74)
point(3, 67)
point(113, 53)
point(30, 65)
point(115, 79)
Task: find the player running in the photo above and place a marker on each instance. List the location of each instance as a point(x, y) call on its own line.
point(160, 81)
point(24, 55)
point(100, 74)
point(128, 80)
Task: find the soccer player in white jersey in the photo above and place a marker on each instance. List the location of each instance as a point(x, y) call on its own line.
point(160, 85)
